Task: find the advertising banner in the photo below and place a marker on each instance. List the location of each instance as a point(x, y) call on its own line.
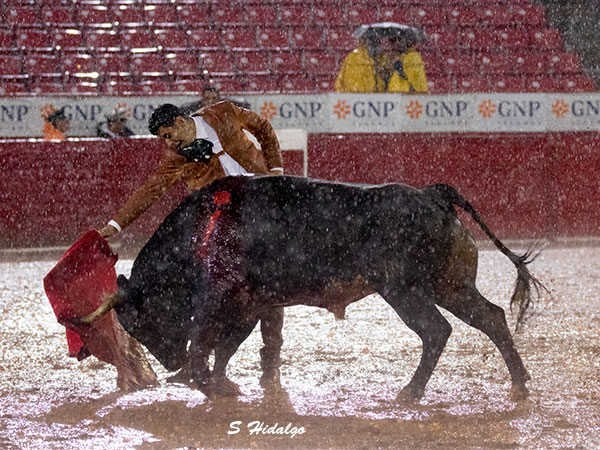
point(334, 113)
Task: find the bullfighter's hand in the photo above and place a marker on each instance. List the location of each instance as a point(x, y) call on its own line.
point(108, 231)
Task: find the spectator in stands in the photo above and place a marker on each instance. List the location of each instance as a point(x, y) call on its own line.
point(385, 61)
point(200, 149)
point(210, 96)
point(56, 125)
point(115, 125)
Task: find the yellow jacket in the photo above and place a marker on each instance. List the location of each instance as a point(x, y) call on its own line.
point(358, 74)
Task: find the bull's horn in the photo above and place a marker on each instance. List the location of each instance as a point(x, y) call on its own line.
point(109, 303)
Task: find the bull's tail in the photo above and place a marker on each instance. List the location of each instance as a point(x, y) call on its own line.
point(521, 298)
point(110, 301)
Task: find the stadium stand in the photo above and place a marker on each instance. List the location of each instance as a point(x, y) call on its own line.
point(124, 46)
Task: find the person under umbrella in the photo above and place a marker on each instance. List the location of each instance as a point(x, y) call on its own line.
point(385, 61)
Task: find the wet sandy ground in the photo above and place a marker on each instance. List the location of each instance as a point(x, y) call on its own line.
point(341, 378)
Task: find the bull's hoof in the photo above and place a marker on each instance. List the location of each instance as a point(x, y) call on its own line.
point(518, 392)
point(270, 380)
point(205, 387)
point(224, 387)
point(409, 395)
point(184, 376)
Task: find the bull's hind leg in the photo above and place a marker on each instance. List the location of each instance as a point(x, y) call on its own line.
point(420, 314)
point(474, 309)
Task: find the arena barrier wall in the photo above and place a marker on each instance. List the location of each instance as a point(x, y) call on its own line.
point(529, 185)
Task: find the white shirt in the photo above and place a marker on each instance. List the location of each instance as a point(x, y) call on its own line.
point(205, 131)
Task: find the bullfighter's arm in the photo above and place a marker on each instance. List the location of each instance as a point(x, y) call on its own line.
point(265, 135)
point(165, 176)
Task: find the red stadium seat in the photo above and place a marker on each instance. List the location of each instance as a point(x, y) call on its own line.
point(42, 65)
point(216, 62)
point(228, 84)
point(10, 66)
point(511, 38)
point(395, 13)
point(475, 38)
point(194, 14)
point(329, 16)
point(7, 40)
point(296, 83)
point(137, 38)
point(113, 63)
point(119, 86)
point(429, 15)
point(529, 63)
point(129, 15)
point(324, 83)
point(507, 84)
point(563, 62)
point(190, 86)
point(204, 38)
point(547, 39)
point(541, 83)
point(356, 15)
point(273, 38)
point(294, 14)
point(12, 88)
point(434, 63)
point(23, 16)
point(34, 39)
point(47, 87)
point(576, 83)
point(496, 15)
point(183, 63)
point(57, 15)
point(286, 62)
point(228, 14)
point(242, 38)
point(68, 39)
point(81, 87)
point(251, 61)
point(442, 38)
point(340, 39)
point(458, 62)
point(472, 84)
point(94, 16)
point(528, 14)
point(441, 85)
point(462, 16)
point(148, 64)
point(103, 40)
point(171, 39)
point(306, 38)
point(79, 63)
point(162, 14)
point(157, 87)
point(320, 63)
point(494, 63)
point(262, 84)
point(261, 15)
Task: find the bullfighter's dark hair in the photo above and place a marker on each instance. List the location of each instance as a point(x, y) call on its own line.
point(163, 116)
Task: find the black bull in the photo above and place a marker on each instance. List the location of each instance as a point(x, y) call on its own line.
point(244, 244)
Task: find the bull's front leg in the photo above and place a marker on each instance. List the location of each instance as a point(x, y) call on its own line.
point(234, 333)
point(203, 338)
